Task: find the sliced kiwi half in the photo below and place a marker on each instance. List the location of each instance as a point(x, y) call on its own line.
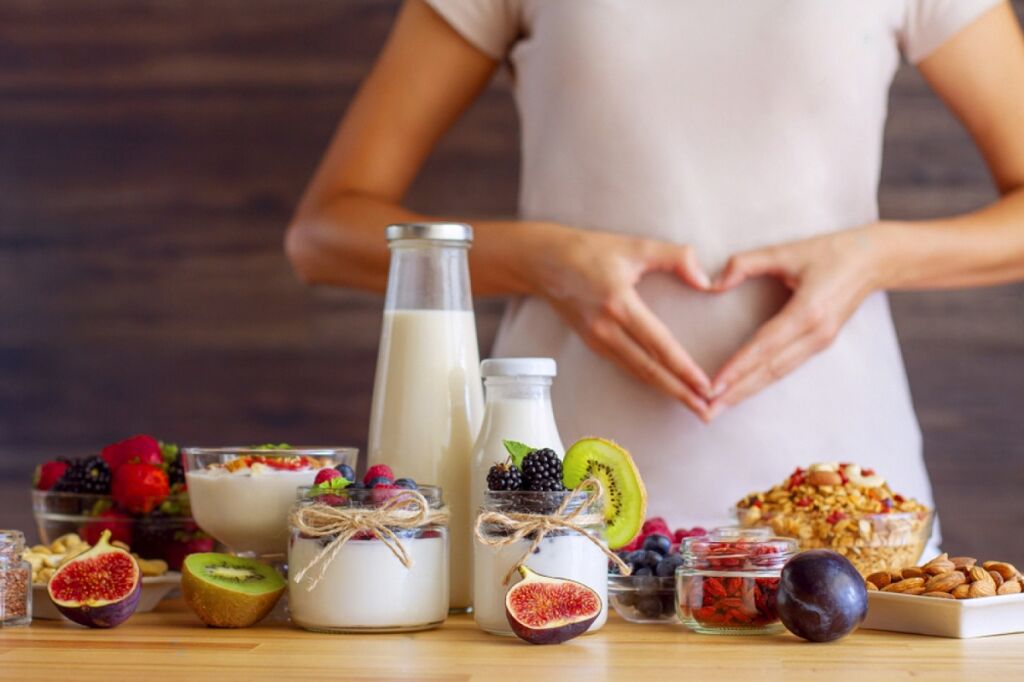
point(625, 496)
point(227, 591)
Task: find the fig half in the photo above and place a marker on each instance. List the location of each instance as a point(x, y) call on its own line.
point(544, 610)
point(99, 588)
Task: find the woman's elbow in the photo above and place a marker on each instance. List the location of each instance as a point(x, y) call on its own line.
point(300, 249)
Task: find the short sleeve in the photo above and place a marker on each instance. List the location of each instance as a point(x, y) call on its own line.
point(927, 24)
point(490, 25)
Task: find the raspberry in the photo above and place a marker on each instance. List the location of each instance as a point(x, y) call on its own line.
point(378, 470)
point(49, 473)
point(325, 475)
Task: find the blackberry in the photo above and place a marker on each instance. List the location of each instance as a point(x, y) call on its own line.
point(504, 477)
point(91, 475)
point(176, 471)
point(542, 468)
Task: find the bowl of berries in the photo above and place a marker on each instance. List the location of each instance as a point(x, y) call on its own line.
point(647, 595)
point(134, 488)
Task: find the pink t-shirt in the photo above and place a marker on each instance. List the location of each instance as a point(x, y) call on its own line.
point(728, 125)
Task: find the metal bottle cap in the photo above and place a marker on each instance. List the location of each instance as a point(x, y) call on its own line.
point(444, 232)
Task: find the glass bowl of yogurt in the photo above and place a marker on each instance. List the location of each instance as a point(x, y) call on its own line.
point(359, 582)
point(241, 496)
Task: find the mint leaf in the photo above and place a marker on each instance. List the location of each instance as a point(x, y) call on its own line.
point(271, 446)
point(517, 451)
point(328, 487)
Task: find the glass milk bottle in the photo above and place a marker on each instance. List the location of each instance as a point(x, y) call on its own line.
point(518, 408)
point(427, 397)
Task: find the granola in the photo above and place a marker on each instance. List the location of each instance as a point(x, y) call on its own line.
point(845, 508)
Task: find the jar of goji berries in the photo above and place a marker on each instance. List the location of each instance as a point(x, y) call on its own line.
point(729, 580)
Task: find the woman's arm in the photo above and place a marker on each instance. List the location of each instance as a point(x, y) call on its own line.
point(979, 73)
point(426, 76)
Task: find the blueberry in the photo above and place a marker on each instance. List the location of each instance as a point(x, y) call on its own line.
point(651, 558)
point(406, 483)
point(643, 570)
point(649, 606)
point(379, 480)
point(666, 568)
point(658, 543)
point(346, 471)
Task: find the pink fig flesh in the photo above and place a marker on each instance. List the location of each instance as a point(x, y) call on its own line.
point(545, 610)
point(99, 588)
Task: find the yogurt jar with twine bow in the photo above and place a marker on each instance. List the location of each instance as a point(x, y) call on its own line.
point(557, 534)
point(369, 560)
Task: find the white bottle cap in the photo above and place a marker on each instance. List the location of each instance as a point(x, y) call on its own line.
point(518, 367)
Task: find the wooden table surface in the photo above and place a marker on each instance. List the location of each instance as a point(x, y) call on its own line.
point(171, 644)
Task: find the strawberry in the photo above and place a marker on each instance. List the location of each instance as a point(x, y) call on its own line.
point(185, 543)
point(138, 488)
point(378, 470)
point(139, 449)
point(48, 473)
point(118, 523)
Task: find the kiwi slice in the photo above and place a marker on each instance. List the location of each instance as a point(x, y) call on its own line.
point(227, 591)
point(625, 496)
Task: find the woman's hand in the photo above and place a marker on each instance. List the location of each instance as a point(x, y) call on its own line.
point(830, 276)
point(590, 279)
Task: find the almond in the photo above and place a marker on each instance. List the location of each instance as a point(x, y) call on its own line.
point(823, 478)
point(996, 578)
point(907, 585)
point(1009, 587)
point(945, 582)
point(980, 575)
point(871, 586)
point(982, 588)
point(879, 579)
point(941, 595)
point(962, 562)
point(1002, 568)
point(961, 591)
point(912, 572)
point(937, 566)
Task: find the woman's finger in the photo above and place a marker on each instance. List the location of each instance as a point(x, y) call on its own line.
point(788, 325)
point(768, 372)
point(681, 260)
point(651, 333)
point(610, 340)
point(757, 263)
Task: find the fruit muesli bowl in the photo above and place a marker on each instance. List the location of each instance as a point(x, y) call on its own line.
point(167, 533)
point(843, 508)
point(643, 598)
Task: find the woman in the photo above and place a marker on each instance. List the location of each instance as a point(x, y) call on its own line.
point(699, 243)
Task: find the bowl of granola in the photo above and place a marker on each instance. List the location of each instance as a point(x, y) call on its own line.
point(844, 508)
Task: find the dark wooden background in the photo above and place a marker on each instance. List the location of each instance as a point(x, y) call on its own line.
point(150, 154)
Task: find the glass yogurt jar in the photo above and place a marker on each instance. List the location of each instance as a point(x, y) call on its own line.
point(729, 581)
point(361, 584)
point(562, 553)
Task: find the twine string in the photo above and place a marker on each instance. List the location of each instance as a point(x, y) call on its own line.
point(518, 526)
point(405, 510)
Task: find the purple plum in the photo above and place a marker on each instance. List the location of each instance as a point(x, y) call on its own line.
point(821, 596)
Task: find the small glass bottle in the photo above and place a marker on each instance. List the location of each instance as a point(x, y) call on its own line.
point(15, 581)
point(364, 587)
point(729, 581)
point(562, 553)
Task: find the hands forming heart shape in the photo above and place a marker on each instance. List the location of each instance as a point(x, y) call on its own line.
point(829, 276)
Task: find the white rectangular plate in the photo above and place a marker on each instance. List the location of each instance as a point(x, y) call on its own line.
point(960, 618)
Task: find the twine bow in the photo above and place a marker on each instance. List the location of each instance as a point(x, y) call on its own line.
point(520, 525)
point(405, 510)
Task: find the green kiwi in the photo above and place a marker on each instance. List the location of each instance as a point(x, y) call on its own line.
point(227, 591)
point(625, 495)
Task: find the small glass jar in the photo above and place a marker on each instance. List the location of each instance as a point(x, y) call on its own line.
point(562, 553)
point(729, 581)
point(15, 581)
point(365, 587)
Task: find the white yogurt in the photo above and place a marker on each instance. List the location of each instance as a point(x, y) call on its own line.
point(366, 587)
point(247, 510)
point(564, 556)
